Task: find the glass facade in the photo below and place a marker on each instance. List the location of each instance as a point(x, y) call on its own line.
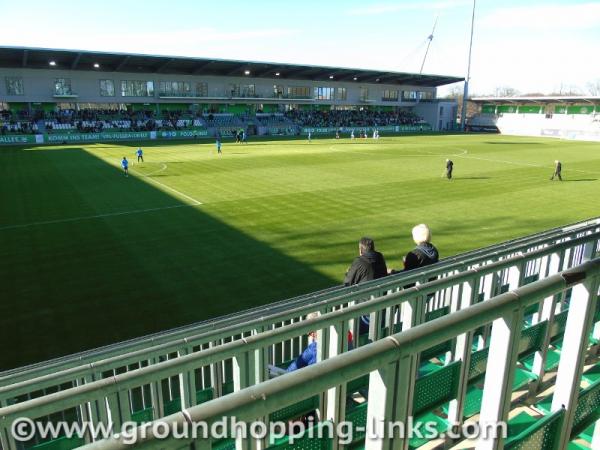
point(298, 92)
point(137, 88)
point(324, 93)
point(14, 86)
point(390, 95)
point(107, 88)
point(341, 93)
point(62, 86)
point(174, 89)
point(201, 89)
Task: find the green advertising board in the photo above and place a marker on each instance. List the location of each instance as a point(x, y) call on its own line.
point(20, 139)
point(580, 109)
point(488, 109)
point(506, 109)
point(96, 137)
point(530, 109)
point(186, 134)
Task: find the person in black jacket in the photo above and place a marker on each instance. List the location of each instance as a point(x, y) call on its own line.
point(369, 265)
point(449, 167)
point(424, 253)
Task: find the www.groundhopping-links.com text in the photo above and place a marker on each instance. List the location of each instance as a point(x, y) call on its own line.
point(24, 429)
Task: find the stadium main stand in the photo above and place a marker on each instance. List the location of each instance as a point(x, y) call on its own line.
point(77, 95)
point(507, 333)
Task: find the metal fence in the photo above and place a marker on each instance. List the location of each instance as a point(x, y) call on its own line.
point(458, 318)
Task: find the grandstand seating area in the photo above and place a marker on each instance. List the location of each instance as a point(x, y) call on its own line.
point(97, 120)
point(505, 332)
point(353, 118)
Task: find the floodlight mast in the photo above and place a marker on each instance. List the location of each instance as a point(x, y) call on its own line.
point(430, 38)
point(463, 115)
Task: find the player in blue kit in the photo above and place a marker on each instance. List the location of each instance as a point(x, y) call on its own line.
point(140, 154)
point(125, 166)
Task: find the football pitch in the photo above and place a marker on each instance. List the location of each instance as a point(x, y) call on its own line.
point(89, 257)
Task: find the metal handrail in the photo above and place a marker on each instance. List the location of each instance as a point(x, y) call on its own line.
point(73, 373)
point(452, 263)
point(259, 400)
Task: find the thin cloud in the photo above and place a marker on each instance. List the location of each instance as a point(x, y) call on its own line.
point(544, 17)
point(385, 8)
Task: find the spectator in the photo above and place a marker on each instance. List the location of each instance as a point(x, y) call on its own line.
point(306, 358)
point(369, 265)
point(424, 253)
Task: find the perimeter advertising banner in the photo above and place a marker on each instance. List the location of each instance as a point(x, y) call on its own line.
point(186, 134)
point(96, 137)
point(386, 128)
point(18, 139)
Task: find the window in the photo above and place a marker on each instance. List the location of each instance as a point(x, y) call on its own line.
point(425, 95)
point(202, 89)
point(390, 95)
point(174, 89)
point(62, 86)
point(234, 90)
point(441, 110)
point(14, 86)
point(340, 93)
point(298, 92)
point(247, 90)
point(107, 88)
point(277, 91)
point(135, 88)
point(324, 93)
point(409, 95)
point(364, 94)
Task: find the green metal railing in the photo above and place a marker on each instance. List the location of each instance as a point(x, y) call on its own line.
point(110, 399)
point(391, 365)
point(281, 313)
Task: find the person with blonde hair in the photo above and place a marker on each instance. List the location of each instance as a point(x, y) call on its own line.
point(424, 253)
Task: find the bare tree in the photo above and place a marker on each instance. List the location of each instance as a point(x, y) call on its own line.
point(593, 87)
point(505, 91)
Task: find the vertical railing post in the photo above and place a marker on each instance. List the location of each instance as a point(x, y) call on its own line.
point(382, 396)
point(187, 383)
point(462, 352)
point(336, 396)
point(403, 412)
point(499, 375)
point(572, 356)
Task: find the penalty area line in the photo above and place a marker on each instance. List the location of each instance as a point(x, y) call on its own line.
point(96, 216)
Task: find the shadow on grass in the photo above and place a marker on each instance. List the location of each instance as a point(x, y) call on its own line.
point(471, 178)
point(581, 179)
point(89, 257)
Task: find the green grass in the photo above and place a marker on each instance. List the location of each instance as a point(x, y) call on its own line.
point(277, 219)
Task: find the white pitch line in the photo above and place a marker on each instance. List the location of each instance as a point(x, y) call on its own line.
point(181, 194)
point(541, 166)
point(97, 216)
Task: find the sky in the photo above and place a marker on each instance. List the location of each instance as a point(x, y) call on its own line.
point(537, 46)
